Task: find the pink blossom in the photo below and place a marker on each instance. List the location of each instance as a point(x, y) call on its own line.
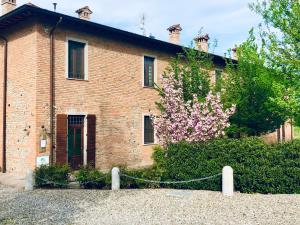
point(189, 121)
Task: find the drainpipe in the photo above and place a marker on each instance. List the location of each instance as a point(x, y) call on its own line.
point(4, 105)
point(52, 77)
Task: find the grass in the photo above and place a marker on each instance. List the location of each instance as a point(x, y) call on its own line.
point(297, 132)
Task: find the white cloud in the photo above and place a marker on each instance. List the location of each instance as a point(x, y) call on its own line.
point(226, 20)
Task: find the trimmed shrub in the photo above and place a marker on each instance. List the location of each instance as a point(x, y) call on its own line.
point(55, 176)
point(146, 173)
point(90, 178)
point(258, 167)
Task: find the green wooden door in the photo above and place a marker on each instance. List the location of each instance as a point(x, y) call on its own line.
point(75, 145)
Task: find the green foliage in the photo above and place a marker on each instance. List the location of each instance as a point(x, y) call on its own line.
point(91, 178)
point(55, 176)
point(280, 38)
point(257, 167)
point(297, 121)
point(296, 132)
point(194, 67)
point(256, 91)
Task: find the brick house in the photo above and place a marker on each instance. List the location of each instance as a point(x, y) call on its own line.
point(78, 92)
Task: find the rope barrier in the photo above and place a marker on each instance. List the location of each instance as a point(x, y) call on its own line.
point(170, 182)
point(134, 178)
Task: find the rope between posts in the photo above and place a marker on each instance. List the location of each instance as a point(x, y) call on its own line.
point(170, 182)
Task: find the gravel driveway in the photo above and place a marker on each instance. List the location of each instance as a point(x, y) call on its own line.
point(145, 207)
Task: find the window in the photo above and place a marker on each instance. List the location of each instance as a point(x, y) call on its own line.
point(148, 71)
point(76, 66)
point(148, 130)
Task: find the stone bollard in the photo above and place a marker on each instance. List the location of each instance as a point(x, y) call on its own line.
point(29, 185)
point(115, 179)
point(227, 181)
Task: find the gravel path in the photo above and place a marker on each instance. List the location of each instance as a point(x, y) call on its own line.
point(145, 207)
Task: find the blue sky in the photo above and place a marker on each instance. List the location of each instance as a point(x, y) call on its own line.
point(227, 21)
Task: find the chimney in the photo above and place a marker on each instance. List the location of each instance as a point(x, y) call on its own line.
point(7, 6)
point(201, 42)
point(174, 35)
point(234, 53)
point(84, 13)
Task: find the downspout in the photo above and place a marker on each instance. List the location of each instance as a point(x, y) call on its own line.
point(4, 105)
point(52, 96)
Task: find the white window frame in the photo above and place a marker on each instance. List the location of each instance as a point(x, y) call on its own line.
point(143, 132)
point(143, 67)
point(86, 63)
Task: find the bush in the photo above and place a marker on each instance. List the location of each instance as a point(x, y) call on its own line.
point(55, 176)
point(90, 178)
point(258, 167)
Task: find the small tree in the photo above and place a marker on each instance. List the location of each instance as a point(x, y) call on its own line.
point(257, 91)
point(280, 38)
point(191, 120)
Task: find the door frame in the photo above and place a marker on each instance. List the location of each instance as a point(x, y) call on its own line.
point(84, 135)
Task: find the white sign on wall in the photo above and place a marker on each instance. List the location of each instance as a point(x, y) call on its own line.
point(42, 160)
point(43, 143)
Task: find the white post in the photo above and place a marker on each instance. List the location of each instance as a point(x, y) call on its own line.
point(115, 179)
point(227, 181)
point(29, 185)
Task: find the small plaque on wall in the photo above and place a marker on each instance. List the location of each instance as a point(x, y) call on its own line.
point(43, 143)
point(42, 160)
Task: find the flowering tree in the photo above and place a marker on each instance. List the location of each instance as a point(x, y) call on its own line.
point(188, 121)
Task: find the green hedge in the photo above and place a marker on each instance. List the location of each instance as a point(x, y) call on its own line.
point(55, 176)
point(258, 167)
point(90, 178)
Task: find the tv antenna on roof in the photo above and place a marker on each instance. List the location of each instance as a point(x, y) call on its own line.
point(142, 24)
point(54, 5)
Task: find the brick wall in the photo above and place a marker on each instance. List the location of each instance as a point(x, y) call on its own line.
point(1, 97)
point(21, 100)
point(113, 92)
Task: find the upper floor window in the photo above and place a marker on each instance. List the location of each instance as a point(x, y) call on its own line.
point(148, 130)
point(76, 60)
point(148, 71)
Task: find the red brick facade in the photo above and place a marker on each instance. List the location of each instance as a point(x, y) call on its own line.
point(113, 92)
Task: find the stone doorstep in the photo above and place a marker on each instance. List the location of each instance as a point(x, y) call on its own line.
point(12, 180)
